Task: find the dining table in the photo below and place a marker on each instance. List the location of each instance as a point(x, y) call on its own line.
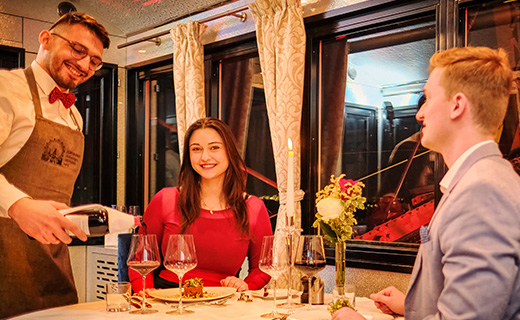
point(234, 308)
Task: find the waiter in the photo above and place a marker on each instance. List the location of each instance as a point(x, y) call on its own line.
point(41, 151)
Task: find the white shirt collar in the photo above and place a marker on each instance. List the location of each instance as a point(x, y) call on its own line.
point(448, 177)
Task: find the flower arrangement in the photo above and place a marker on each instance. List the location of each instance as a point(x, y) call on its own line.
point(336, 205)
point(338, 304)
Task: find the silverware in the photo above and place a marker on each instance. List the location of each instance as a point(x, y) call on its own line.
point(219, 302)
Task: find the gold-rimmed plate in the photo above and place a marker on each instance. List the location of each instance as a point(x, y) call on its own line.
point(210, 293)
point(269, 294)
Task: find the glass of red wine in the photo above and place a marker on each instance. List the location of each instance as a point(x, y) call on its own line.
point(310, 258)
point(180, 258)
point(143, 258)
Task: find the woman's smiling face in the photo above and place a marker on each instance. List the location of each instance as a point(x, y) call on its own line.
point(208, 155)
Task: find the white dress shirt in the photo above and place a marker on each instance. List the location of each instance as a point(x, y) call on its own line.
point(446, 180)
point(17, 120)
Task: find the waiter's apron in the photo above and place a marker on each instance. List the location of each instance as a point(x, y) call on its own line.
point(34, 275)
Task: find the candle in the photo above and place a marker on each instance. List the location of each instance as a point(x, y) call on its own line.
point(290, 184)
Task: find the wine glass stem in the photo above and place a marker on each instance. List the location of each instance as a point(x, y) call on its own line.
point(143, 304)
point(289, 295)
point(275, 313)
point(310, 292)
point(180, 293)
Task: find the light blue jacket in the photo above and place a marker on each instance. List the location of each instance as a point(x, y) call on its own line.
point(468, 263)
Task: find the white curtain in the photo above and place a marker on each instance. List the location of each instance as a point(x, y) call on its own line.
point(281, 46)
point(188, 76)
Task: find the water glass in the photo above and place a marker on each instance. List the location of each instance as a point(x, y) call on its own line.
point(350, 294)
point(118, 296)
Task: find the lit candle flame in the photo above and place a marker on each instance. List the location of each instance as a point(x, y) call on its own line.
point(289, 143)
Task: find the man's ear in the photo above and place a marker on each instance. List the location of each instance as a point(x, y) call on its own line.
point(45, 38)
point(460, 105)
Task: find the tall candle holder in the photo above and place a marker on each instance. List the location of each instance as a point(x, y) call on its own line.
point(290, 230)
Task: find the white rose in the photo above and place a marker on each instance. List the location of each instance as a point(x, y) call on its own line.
point(329, 208)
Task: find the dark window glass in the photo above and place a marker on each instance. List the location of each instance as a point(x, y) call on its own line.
point(242, 106)
point(370, 86)
point(497, 25)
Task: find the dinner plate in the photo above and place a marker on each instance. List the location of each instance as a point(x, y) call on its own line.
point(325, 315)
point(280, 294)
point(376, 316)
point(319, 314)
point(213, 293)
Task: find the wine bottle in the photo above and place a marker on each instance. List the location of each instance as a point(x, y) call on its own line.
point(97, 220)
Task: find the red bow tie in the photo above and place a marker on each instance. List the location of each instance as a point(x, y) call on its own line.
point(67, 98)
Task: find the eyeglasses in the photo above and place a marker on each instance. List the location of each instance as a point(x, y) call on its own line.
point(79, 52)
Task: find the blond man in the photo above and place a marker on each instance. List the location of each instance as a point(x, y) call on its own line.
point(468, 262)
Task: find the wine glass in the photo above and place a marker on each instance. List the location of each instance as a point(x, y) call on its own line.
point(310, 258)
point(180, 258)
point(274, 260)
point(143, 258)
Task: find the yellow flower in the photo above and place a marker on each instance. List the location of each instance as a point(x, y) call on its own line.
point(329, 208)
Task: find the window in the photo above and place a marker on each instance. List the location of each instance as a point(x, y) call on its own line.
point(497, 25)
point(369, 130)
point(369, 81)
point(241, 104)
point(11, 57)
point(152, 153)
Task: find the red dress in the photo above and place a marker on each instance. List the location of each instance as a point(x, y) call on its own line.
point(221, 250)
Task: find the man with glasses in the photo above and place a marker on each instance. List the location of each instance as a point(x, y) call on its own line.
point(41, 151)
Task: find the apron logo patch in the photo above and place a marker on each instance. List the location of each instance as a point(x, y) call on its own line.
point(56, 153)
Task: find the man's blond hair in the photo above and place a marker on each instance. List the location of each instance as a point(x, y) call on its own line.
point(483, 75)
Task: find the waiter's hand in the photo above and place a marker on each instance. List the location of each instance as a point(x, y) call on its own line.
point(235, 282)
point(41, 220)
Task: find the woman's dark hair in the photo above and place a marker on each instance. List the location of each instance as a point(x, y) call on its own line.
point(95, 27)
point(234, 180)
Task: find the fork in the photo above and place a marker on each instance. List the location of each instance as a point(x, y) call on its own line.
point(219, 302)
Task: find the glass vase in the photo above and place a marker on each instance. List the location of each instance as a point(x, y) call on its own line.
point(340, 266)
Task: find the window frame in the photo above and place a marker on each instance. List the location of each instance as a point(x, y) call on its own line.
point(18, 53)
point(395, 257)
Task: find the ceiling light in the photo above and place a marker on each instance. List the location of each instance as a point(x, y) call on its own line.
point(66, 7)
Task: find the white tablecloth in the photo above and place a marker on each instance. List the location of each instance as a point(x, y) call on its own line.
point(232, 310)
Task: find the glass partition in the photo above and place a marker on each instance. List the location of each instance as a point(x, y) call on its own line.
point(497, 25)
point(370, 87)
point(242, 105)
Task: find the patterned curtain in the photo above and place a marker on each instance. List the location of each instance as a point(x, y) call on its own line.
point(188, 76)
point(280, 34)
